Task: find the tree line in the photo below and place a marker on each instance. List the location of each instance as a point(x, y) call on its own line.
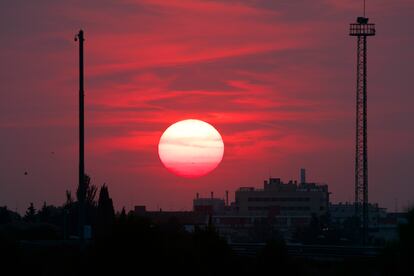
point(43, 242)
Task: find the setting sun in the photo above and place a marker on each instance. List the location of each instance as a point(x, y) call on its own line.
point(191, 148)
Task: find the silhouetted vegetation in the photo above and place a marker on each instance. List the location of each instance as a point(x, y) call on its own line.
point(30, 213)
point(105, 214)
point(44, 242)
point(273, 250)
point(157, 248)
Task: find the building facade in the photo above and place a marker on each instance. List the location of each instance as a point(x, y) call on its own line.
point(283, 199)
point(277, 207)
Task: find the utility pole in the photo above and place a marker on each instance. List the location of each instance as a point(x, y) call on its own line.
point(81, 187)
point(361, 29)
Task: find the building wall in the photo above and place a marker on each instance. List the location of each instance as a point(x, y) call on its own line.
point(280, 199)
point(281, 206)
point(341, 211)
point(208, 205)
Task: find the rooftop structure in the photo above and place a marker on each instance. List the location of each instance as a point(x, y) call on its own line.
point(208, 205)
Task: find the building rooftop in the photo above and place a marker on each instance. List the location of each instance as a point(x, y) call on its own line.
point(275, 184)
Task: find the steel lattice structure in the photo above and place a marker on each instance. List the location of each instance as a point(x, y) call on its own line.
point(361, 30)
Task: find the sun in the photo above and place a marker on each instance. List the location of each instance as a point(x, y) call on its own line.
point(191, 148)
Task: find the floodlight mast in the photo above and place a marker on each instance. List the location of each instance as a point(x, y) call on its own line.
point(362, 29)
point(82, 185)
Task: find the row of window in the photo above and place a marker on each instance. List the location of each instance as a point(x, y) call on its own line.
point(281, 208)
point(282, 199)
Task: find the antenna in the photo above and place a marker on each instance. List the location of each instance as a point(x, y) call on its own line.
point(364, 8)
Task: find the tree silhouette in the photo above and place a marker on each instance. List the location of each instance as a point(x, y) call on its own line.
point(274, 254)
point(72, 211)
point(90, 192)
point(123, 215)
point(407, 240)
point(89, 200)
point(105, 213)
point(30, 213)
point(44, 213)
point(5, 216)
point(69, 199)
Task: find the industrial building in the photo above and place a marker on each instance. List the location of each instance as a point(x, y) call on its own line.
point(209, 205)
point(276, 208)
point(282, 206)
point(339, 212)
point(283, 199)
point(382, 226)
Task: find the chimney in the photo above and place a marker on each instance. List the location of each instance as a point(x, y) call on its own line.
point(227, 198)
point(302, 176)
point(212, 195)
point(197, 196)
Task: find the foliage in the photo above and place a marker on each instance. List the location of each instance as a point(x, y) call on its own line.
point(105, 214)
point(128, 244)
point(30, 215)
point(88, 193)
point(8, 216)
point(274, 254)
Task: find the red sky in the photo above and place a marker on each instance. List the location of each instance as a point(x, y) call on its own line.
point(276, 78)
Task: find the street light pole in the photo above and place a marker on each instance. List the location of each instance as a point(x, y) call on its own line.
point(81, 188)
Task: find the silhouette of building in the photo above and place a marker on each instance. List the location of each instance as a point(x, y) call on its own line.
point(278, 206)
point(382, 226)
point(283, 199)
point(340, 212)
point(209, 205)
point(388, 226)
point(189, 220)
